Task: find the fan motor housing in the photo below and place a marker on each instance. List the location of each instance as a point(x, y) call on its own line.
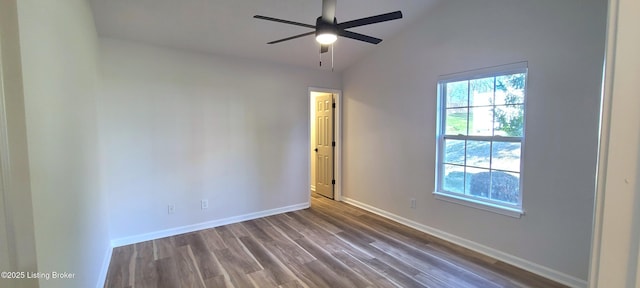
point(323, 27)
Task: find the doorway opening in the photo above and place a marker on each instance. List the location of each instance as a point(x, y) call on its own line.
point(325, 142)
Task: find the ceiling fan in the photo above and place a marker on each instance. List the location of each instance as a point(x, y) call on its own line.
point(327, 28)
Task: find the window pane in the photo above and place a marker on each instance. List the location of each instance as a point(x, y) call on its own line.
point(481, 121)
point(481, 135)
point(481, 92)
point(478, 181)
point(457, 94)
point(454, 151)
point(453, 178)
point(479, 154)
point(509, 120)
point(505, 186)
point(456, 121)
point(510, 89)
point(506, 156)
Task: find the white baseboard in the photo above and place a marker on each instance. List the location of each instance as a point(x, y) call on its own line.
point(204, 225)
point(313, 188)
point(105, 268)
point(491, 252)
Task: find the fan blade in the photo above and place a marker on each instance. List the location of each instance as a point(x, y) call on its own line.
point(324, 48)
point(292, 37)
point(283, 21)
point(358, 36)
point(370, 20)
point(328, 10)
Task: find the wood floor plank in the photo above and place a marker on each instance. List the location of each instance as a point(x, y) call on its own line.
point(269, 230)
point(436, 270)
point(346, 225)
point(320, 222)
point(333, 264)
point(188, 272)
point(280, 223)
point(293, 284)
point(317, 234)
point(442, 270)
point(415, 234)
point(237, 267)
point(408, 268)
point(288, 252)
point(167, 273)
point(256, 231)
point(305, 277)
point(236, 253)
point(393, 274)
point(203, 257)
point(378, 280)
point(263, 278)
point(330, 244)
point(118, 274)
point(414, 238)
point(329, 276)
point(343, 207)
point(218, 281)
point(163, 248)
point(213, 239)
point(237, 260)
point(280, 273)
point(144, 249)
point(238, 229)
point(522, 276)
point(239, 279)
point(146, 273)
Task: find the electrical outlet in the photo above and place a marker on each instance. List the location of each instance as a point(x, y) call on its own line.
point(204, 204)
point(171, 208)
point(413, 203)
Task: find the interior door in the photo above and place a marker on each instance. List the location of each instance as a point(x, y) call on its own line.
point(324, 139)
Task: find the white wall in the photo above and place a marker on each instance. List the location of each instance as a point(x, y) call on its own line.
point(390, 113)
point(179, 127)
point(59, 63)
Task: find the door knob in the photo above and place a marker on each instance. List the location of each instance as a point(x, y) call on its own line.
point(316, 149)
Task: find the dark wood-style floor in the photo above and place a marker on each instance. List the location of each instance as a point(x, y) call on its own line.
point(331, 244)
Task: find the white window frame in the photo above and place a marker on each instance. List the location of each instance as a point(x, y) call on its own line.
point(515, 210)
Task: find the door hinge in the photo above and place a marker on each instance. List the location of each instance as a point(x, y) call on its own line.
point(333, 143)
point(333, 105)
point(333, 182)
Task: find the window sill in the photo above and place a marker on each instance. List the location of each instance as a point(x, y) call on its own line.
point(516, 213)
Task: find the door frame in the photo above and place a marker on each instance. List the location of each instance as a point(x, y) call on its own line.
point(8, 262)
point(617, 203)
point(337, 135)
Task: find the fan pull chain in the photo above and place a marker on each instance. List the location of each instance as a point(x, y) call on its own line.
point(320, 58)
point(331, 57)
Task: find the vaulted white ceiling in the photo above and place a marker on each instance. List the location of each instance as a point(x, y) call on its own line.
point(227, 27)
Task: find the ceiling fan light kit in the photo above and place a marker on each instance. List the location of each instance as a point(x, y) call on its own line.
point(327, 28)
point(326, 33)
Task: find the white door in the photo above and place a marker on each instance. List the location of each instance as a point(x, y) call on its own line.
point(325, 144)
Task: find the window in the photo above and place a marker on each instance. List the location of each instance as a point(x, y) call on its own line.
point(480, 138)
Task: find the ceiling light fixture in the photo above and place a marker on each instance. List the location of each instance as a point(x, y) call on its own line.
point(326, 33)
point(326, 38)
